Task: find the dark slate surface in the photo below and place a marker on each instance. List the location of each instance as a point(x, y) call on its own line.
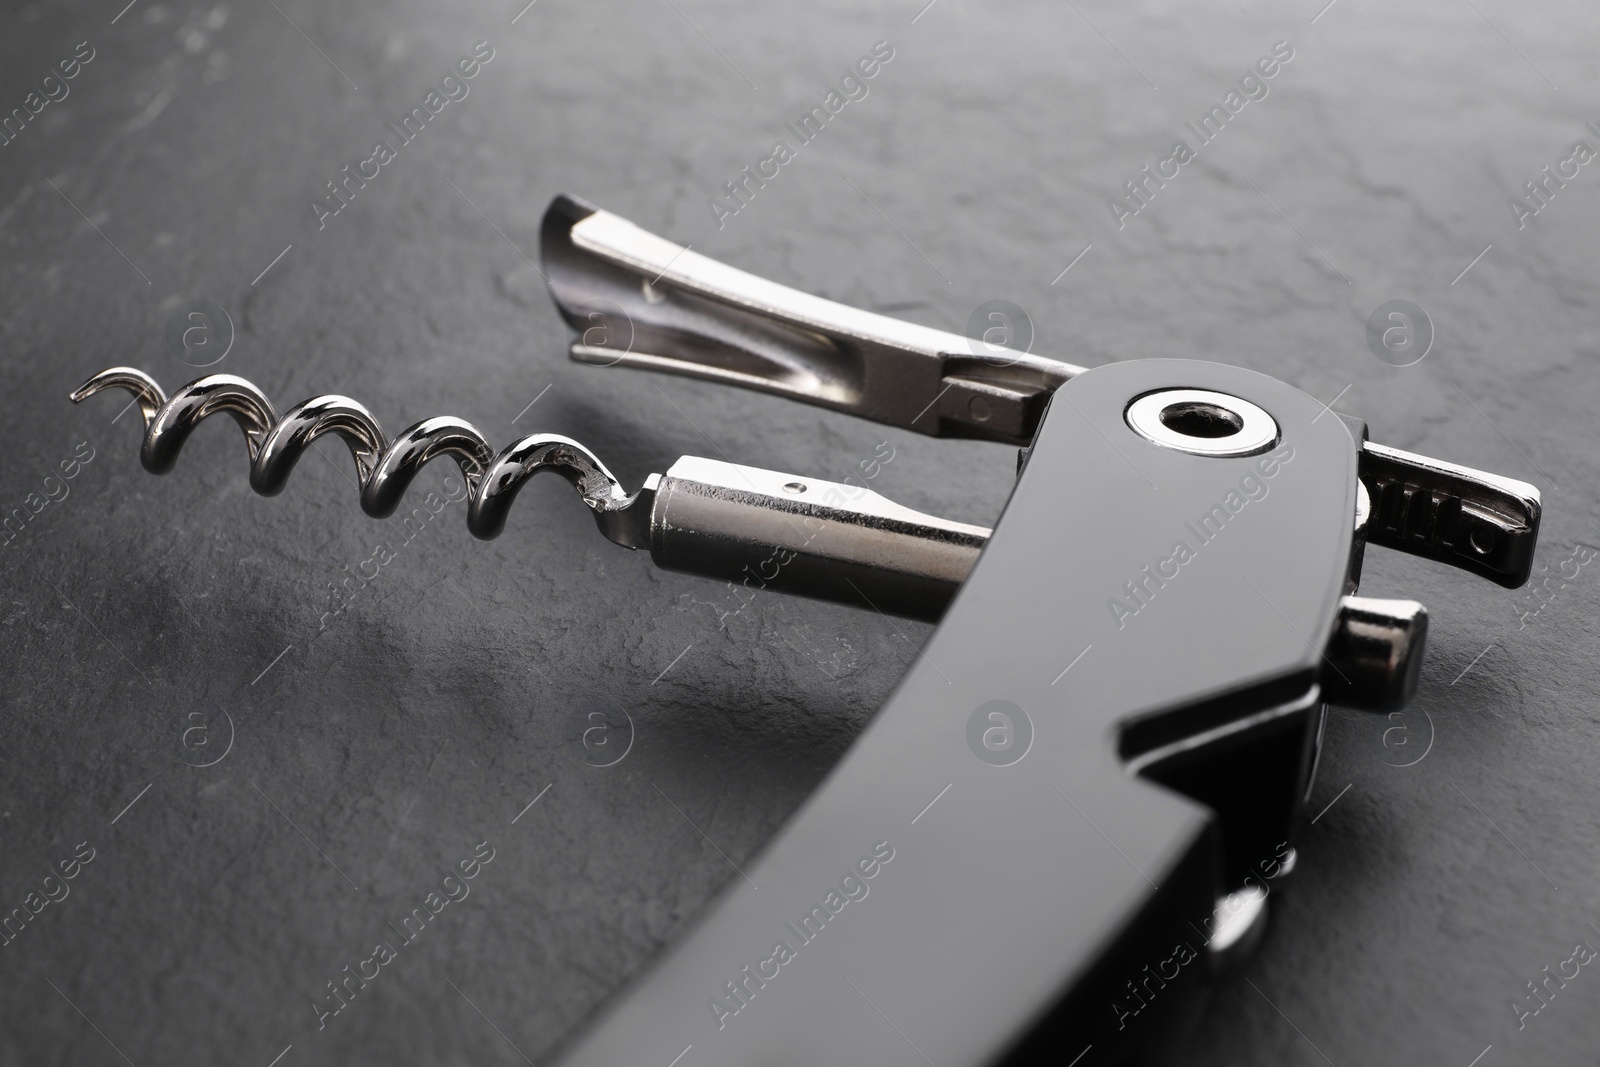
point(149, 621)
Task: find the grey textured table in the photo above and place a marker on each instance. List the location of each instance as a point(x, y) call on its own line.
point(356, 749)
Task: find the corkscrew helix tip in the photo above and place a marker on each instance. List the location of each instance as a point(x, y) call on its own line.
point(384, 468)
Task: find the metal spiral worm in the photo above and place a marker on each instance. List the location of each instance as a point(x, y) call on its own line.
point(384, 468)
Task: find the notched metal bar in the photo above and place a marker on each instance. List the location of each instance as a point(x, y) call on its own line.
point(1468, 518)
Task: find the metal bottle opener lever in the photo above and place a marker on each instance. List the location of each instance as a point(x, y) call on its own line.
point(1118, 717)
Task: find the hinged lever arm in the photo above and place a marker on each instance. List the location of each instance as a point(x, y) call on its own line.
point(640, 301)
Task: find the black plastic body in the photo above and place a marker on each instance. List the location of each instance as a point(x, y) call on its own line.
point(1023, 914)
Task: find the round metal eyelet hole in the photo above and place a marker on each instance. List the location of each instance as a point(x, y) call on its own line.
point(1202, 422)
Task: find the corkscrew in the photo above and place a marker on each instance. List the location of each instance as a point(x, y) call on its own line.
point(834, 540)
point(1123, 699)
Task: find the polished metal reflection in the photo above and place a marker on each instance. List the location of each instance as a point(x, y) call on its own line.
point(1375, 653)
point(1243, 921)
point(817, 538)
point(688, 314)
point(1480, 522)
point(762, 528)
point(1235, 426)
point(683, 313)
point(383, 468)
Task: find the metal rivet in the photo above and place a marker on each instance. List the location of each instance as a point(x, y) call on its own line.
point(1202, 422)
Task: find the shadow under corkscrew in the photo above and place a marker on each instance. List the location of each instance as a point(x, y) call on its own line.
point(384, 468)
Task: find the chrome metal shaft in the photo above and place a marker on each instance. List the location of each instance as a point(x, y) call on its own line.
point(765, 530)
